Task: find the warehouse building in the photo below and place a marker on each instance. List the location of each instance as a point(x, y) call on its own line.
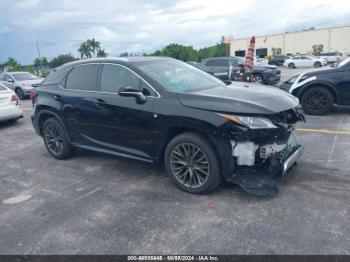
point(308, 41)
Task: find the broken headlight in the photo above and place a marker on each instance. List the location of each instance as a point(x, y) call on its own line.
point(249, 121)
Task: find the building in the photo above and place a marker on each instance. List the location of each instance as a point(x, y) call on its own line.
point(303, 42)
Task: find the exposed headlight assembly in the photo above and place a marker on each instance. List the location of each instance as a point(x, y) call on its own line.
point(249, 121)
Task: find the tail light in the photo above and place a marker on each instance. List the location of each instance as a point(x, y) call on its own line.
point(33, 94)
point(15, 100)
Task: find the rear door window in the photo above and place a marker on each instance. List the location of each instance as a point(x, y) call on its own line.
point(83, 78)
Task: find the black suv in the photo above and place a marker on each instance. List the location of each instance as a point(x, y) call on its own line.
point(160, 109)
point(319, 90)
point(219, 67)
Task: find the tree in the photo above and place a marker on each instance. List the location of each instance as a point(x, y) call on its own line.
point(84, 50)
point(188, 53)
point(2, 67)
point(61, 59)
point(125, 54)
point(13, 65)
point(184, 53)
point(102, 53)
point(40, 61)
point(94, 46)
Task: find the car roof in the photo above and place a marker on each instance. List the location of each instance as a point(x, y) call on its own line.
point(111, 60)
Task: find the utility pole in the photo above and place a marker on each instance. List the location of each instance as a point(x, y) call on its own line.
point(38, 49)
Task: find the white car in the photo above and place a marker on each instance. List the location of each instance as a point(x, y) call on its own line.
point(9, 105)
point(332, 57)
point(305, 61)
point(21, 82)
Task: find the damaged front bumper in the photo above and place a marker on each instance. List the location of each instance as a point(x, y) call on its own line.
point(260, 175)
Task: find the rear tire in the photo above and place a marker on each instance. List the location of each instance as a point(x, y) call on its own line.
point(291, 65)
point(192, 163)
point(317, 64)
point(317, 101)
point(56, 140)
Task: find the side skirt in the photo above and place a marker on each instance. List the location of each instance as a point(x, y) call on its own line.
point(106, 151)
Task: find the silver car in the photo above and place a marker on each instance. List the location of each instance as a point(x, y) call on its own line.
point(20, 82)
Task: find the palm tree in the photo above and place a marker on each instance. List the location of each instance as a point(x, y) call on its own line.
point(93, 45)
point(84, 50)
point(102, 53)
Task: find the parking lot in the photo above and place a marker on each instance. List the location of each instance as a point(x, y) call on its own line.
point(101, 204)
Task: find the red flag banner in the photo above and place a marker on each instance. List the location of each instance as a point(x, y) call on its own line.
point(250, 55)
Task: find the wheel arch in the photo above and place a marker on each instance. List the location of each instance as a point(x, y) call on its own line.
point(301, 91)
point(220, 145)
point(44, 114)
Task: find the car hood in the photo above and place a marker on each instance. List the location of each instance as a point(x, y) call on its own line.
point(321, 71)
point(262, 67)
point(30, 82)
point(240, 98)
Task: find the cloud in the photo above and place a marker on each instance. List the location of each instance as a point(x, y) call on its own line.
point(27, 4)
point(143, 26)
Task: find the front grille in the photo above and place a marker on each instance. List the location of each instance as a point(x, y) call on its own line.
point(35, 85)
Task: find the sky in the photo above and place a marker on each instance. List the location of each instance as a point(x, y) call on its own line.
point(59, 26)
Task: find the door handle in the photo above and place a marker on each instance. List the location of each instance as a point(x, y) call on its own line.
point(57, 98)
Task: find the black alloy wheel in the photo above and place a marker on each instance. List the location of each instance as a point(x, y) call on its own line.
point(258, 79)
point(192, 163)
point(189, 165)
point(317, 101)
point(56, 140)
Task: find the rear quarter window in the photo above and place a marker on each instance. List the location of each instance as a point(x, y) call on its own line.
point(83, 77)
point(55, 77)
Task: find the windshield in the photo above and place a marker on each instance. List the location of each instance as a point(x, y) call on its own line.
point(176, 76)
point(344, 62)
point(24, 76)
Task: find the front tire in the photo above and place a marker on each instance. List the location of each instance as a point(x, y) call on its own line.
point(291, 65)
point(192, 163)
point(258, 79)
point(56, 140)
point(317, 101)
point(19, 92)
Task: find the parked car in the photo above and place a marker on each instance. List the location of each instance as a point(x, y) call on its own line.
point(219, 67)
point(160, 109)
point(299, 61)
point(21, 82)
point(278, 60)
point(319, 90)
point(9, 105)
point(332, 57)
point(192, 63)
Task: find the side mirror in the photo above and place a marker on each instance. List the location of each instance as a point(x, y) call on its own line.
point(132, 92)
